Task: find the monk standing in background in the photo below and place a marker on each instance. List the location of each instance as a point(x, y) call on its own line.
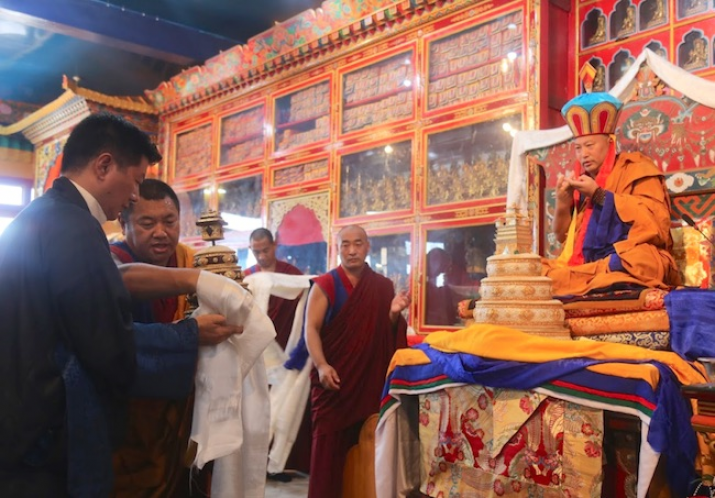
point(353, 326)
point(280, 311)
point(620, 230)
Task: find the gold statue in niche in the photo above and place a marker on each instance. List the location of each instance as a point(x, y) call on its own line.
point(698, 55)
point(600, 35)
point(628, 26)
point(599, 81)
point(658, 14)
point(694, 7)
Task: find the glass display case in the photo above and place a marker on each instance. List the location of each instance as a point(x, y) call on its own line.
point(455, 261)
point(242, 136)
point(192, 204)
point(192, 156)
point(376, 180)
point(378, 93)
point(298, 174)
point(240, 205)
point(302, 117)
point(483, 60)
point(390, 255)
point(470, 162)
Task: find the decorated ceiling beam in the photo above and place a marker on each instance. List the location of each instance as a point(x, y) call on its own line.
point(114, 26)
point(311, 33)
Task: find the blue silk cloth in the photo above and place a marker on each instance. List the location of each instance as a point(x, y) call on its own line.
point(691, 313)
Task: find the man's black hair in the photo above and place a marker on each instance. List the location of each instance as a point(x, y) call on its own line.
point(261, 233)
point(105, 132)
point(152, 189)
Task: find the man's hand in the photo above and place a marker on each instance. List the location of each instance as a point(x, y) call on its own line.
point(564, 191)
point(399, 302)
point(328, 377)
point(213, 329)
point(584, 184)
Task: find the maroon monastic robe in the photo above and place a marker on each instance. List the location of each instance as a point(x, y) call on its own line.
point(358, 342)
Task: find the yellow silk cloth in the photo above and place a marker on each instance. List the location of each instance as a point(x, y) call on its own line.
point(152, 460)
point(504, 343)
point(641, 200)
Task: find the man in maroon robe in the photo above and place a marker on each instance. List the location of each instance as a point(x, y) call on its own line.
point(280, 311)
point(353, 326)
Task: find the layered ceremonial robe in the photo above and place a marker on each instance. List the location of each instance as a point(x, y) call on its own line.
point(358, 342)
point(625, 241)
point(69, 353)
point(151, 460)
point(280, 311)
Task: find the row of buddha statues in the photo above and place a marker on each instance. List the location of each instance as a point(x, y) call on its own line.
point(627, 19)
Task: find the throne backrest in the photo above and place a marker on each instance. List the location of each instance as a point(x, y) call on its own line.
point(676, 133)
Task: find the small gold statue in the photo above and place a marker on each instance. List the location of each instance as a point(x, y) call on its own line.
point(629, 22)
point(600, 35)
point(658, 14)
point(599, 81)
point(698, 55)
point(695, 7)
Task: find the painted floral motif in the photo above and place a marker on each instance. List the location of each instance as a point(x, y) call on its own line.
point(271, 45)
point(679, 182)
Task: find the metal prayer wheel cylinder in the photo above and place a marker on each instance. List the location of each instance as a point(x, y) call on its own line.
point(217, 259)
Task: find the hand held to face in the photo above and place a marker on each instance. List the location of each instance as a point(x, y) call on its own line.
point(585, 184)
point(564, 190)
point(213, 329)
point(329, 378)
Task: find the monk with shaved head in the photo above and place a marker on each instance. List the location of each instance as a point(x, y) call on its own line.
point(353, 326)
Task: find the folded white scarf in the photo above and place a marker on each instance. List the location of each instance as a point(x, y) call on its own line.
point(232, 408)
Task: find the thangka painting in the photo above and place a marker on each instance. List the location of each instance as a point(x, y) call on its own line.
point(301, 228)
point(240, 205)
point(48, 159)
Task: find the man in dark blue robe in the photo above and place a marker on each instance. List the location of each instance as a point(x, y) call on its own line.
point(69, 353)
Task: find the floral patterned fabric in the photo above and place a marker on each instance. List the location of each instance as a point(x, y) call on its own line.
point(657, 341)
point(638, 321)
point(479, 441)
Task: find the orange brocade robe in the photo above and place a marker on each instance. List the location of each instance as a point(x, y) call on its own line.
point(642, 202)
point(151, 461)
